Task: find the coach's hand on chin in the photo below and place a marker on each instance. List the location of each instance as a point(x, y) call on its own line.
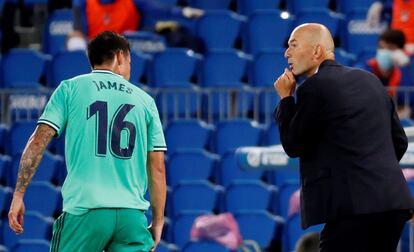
point(285, 85)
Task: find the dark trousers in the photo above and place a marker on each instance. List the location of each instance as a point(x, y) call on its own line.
point(376, 232)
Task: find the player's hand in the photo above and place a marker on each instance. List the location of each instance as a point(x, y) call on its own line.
point(285, 85)
point(156, 231)
point(16, 213)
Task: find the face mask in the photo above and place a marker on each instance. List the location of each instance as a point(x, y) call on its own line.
point(384, 59)
point(76, 43)
point(400, 58)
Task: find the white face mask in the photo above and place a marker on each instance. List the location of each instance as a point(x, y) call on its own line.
point(76, 43)
point(400, 58)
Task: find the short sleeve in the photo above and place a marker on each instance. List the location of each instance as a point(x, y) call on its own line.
point(156, 140)
point(56, 111)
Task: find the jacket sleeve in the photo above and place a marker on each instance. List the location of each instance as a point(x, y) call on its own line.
point(399, 137)
point(299, 124)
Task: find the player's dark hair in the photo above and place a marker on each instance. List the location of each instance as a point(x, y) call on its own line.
point(309, 242)
point(104, 46)
point(393, 36)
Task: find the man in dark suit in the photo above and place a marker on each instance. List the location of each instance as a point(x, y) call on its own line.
point(344, 128)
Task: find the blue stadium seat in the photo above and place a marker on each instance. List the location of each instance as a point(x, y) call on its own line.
point(19, 135)
point(36, 226)
point(139, 63)
point(347, 6)
point(356, 35)
point(5, 199)
point(43, 198)
point(145, 41)
point(223, 68)
point(165, 247)
point(190, 164)
point(22, 68)
point(367, 53)
point(66, 65)
point(219, 29)
point(47, 170)
point(272, 136)
point(210, 4)
point(285, 191)
point(5, 170)
point(293, 231)
point(278, 177)
point(182, 226)
point(59, 24)
point(186, 196)
point(248, 195)
point(168, 2)
point(161, 74)
point(320, 15)
point(266, 30)
point(204, 246)
point(296, 6)
point(32, 245)
point(232, 134)
point(229, 171)
point(260, 226)
point(407, 122)
point(344, 58)
point(248, 7)
point(191, 133)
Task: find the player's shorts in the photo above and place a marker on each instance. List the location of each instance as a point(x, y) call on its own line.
point(109, 229)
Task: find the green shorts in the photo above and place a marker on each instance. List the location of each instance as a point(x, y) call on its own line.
point(109, 229)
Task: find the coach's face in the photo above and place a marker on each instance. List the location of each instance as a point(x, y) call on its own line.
point(300, 54)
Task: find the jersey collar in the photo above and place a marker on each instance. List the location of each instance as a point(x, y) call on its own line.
point(106, 72)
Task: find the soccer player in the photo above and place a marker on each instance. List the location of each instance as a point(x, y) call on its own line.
point(114, 148)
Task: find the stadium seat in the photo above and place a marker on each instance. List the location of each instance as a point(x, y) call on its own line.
point(22, 68)
point(165, 247)
point(407, 122)
point(66, 65)
point(260, 226)
point(5, 199)
point(319, 15)
point(43, 198)
point(210, 4)
point(46, 171)
point(169, 2)
point(182, 226)
point(357, 35)
point(139, 63)
point(229, 171)
point(183, 97)
point(32, 245)
point(59, 24)
point(296, 6)
point(272, 136)
point(367, 53)
point(204, 246)
point(232, 134)
point(145, 41)
point(351, 5)
point(36, 226)
point(266, 30)
point(278, 177)
point(285, 191)
point(186, 190)
point(293, 231)
point(190, 164)
point(19, 134)
point(219, 29)
point(248, 7)
point(344, 58)
point(248, 195)
point(266, 67)
point(5, 169)
point(191, 133)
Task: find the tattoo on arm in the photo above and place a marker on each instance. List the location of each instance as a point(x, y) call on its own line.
point(32, 155)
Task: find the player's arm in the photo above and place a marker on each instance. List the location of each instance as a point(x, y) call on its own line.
point(157, 189)
point(31, 157)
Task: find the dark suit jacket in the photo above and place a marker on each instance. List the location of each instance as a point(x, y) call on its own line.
point(345, 130)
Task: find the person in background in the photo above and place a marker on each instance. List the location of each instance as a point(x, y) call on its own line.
point(390, 65)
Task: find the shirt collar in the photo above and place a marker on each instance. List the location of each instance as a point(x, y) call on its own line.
point(106, 71)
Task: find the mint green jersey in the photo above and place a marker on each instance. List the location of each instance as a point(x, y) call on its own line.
point(110, 126)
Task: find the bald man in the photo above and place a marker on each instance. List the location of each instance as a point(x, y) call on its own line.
point(344, 128)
